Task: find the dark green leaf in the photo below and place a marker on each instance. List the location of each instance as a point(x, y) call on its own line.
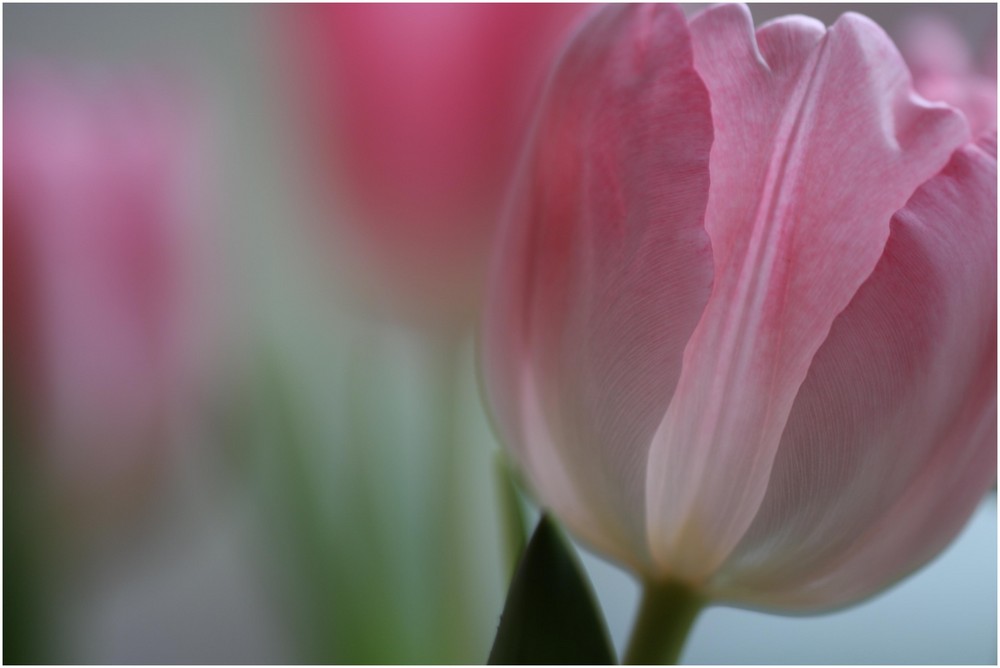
point(551, 616)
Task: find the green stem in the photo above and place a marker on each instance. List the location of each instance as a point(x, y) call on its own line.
point(515, 531)
point(665, 618)
point(454, 615)
point(28, 536)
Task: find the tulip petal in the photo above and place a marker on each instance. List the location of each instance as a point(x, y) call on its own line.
point(818, 140)
point(892, 439)
point(603, 272)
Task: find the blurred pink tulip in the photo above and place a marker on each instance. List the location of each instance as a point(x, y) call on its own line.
point(416, 113)
point(99, 189)
point(741, 327)
point(944, 70)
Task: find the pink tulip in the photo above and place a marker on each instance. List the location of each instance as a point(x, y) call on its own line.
point(416, 112)
point(944, 69)
point(98, 259)
point(741, 328)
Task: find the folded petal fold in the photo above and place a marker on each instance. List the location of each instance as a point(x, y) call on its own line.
point(892, 438)
point(818, 140)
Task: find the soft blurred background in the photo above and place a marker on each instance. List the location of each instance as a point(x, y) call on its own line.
point(241, 413)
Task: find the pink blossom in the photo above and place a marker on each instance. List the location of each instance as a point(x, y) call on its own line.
point(99, 228)
point(741, 323)
point(415, 113)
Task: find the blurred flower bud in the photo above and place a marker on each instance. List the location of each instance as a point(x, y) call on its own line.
point(944, 70)
point(741, 328)
point(100, 190)
point(415, 113)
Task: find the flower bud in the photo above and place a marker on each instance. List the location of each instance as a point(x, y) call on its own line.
point(100, 184)
point(944, 70)
point(415, 113)
point(741, 324)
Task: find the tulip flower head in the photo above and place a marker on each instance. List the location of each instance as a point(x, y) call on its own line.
point(98, 225)
point(741, 325)
point(416, 113)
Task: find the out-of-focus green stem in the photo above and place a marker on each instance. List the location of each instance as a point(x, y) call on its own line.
point(28, 569)
point(665, 618)
point(515, 530)
point(450, 515)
